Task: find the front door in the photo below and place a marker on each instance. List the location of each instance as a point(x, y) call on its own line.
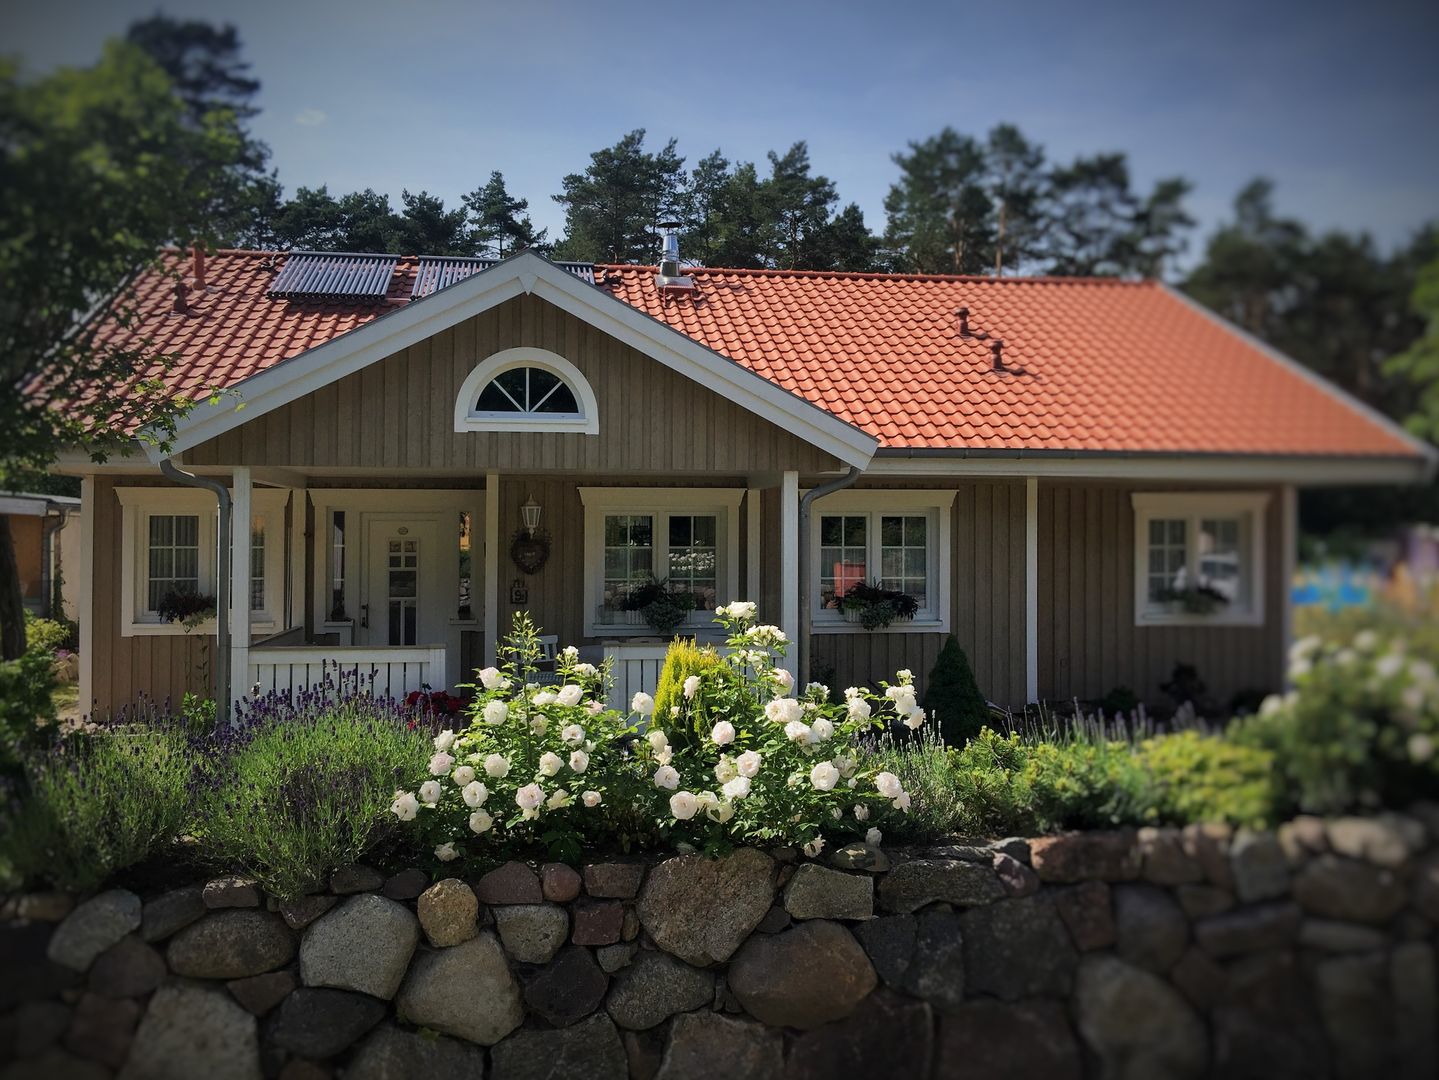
point(402, 604)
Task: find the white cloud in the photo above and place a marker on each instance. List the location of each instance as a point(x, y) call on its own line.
point(310, 117)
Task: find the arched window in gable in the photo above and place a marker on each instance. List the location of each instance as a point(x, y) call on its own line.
point(527, 390)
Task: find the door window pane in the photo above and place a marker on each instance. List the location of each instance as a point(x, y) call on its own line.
point(173, 557)
point(842, 554)
point(465, 608)
point(402, 585)
point(337, 565)
point(257, 565)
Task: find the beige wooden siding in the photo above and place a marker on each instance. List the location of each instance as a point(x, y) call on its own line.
point(127, 669)
point(399, 413)
point(1088, 643)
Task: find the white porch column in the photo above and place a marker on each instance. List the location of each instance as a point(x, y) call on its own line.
point(752, 545)
point(240, 524)
point(492, 567)
point(85, 599)
point(1031, 589)
point(299, 511)
point(1288, 559)
point(789, 583)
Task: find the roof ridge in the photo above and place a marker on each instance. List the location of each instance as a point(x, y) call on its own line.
point(970, 279)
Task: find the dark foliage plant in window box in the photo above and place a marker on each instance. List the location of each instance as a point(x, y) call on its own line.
point(662, 607)
point(181, 605)
point(875, 607)
point(1195, 599)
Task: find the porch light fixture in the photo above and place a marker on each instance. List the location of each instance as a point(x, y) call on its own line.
point(530, 515)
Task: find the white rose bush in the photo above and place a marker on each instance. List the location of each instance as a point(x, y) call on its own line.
point(740, 760)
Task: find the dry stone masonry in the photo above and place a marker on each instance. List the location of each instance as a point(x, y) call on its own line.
point(1305, 952)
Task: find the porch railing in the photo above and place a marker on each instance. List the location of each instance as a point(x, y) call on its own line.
point(636, 667)
point(389, 672)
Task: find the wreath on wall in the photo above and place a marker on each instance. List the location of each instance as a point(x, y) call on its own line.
point(530, 550)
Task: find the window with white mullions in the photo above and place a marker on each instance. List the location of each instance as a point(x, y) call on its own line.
point(1199, 558)
point(629, 556)
point(843, 554)
point(528, 390)
point(257, 565)
point(693, 557)
point(174, 557)
point(904, 555)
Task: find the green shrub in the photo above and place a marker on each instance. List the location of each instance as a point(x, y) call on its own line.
point(293, 792)
point(678, 713)
point(1209, 778)
point(26, 708)
point(952, 696)
point(98, 802)
point(48, 635)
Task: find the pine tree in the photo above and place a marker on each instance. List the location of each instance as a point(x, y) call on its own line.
point(952, 697)
point(425, 227)
point(940, 214)
point(499, 225)
point(1015, 181)
point(613, 208)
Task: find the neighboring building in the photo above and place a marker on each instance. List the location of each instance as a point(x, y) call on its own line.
point(1086, 481)
point(45, 532)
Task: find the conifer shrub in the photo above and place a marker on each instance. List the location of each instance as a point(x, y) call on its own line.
point(952, 696)
point(678, 712)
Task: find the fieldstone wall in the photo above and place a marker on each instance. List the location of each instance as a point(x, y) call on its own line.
point(1309, 952)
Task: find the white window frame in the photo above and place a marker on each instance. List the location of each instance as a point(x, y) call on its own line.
point(660, 503)
point(138, 505)
point(1193, 507)
point(469, 418)
point(937, 505)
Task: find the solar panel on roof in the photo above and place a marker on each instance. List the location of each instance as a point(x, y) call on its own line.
point(438, 272)
point(317, 274)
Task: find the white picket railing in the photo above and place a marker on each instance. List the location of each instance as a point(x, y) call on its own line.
point(636, 667)
point(390, 672)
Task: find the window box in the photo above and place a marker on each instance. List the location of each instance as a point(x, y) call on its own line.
point(1199, 558)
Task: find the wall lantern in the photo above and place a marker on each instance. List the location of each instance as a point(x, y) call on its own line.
point(530, 546)
point(530, 515)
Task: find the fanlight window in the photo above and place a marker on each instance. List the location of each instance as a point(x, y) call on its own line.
point(528, 390)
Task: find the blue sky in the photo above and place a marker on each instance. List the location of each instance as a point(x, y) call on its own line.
point(1337, 102)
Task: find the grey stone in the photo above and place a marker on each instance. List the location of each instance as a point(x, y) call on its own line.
point(1163, 860)
point(1354, 1001)
point(467, 991)
point(1425, 887)
point(644, 1049)
point(34, 1027)
point(1330, 935)
point(230, 892)
point(300, 1069)
point(912, 885)
point(889, 941)
point(190, 1032)
point(171, 912)
point(1199, 978)
point(1249, 929)
point(818, 893)
point(1087, 913)
point(406, 885)
point(51, 907)
point(449, 912)
point(1017, 948)
point(259, 994)
point(935, 971)
point(1412, 987)
point(1202, 901)
point(1136, 1023)
point(614, 880)
point(532, 933)
point(1029, 1040)
point(55, 1064)
point(93, 927)
point(654, 987)
point(1017, 879)
point(1265, 1024)
point(364, 945)
point(1259, 865)
point(231, 944)
point(102, 1029)
point(356, 878)
point(804, 977)
point(1339, 888)
point(1386, 840)
point(568, 988)
point(559, 884)
point(302, 911)
point(512, 883)
point(709, 1046)
point(591, 1048)
point(702, 909)
point(23, 947)
point(858, 856)
point(1208, 844)
point(1096, 856)
point(775, 920)
point(129, 968)
point(612, 958)
point(1150, 929)
point(1016, 847)
point(888, 1035)
point(320, 1023)
point(392, 1053)
point(1426, 812)
point(602, 922)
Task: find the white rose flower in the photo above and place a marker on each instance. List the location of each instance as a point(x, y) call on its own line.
point(814, 847)
point(573, 734)
point(902, 802)
point(560, 798)
point(491, 679)
point(822, 729)
point(692, 686)
point(722, 734)
point(481, 821)
point(586, 671)
point(783, 679)
point(1421, 748)
point(720, 811)
point(475, 794)
point(539, 725)
point(405, 805)
point(642, 703)
point(544, 697)
point(1387, 666)
point(665, 756)
point(873, 837)
point(446, 852)
point(749, 763)
point(836, 813)
point(725, 769)
point(550, 763)
point(783, 710)
point(496, 712)
point(739, 609)
point(444, 740)
point(529, 797)
point(1366, 640)
point(463, 775)
point(569, 694)
point(824, 776)
point(674, 711)
point(795, 731)
point(594, 708)
point(859, 709)
point(570, 653)
point(903, 698)
point(846, 764)
point(591, 798)
point(888, 785)
point(736, 788)
point(915, 720)
point(683, 805)
point(666, 777)
point(579, 761)
point(861, 812)
point(497, 766)
point(904, 675)
point(441, 764)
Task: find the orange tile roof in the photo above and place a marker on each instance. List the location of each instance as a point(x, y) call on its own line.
point(1095, 365)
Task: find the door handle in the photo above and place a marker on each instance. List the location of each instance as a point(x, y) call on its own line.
point(364, 616)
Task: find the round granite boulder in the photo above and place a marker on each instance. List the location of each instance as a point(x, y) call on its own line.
point(804, 977)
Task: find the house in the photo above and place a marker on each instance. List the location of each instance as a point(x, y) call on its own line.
point(1086, 481)
point(44, 533)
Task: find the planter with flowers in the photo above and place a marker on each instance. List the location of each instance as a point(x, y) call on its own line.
point(875, 607)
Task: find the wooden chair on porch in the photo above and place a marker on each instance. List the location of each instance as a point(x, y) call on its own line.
point(546, 675)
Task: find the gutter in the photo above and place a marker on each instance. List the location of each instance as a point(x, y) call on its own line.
point(222, 583)
point(806, 615)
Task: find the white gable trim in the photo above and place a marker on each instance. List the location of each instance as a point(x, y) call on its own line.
point(524, 273)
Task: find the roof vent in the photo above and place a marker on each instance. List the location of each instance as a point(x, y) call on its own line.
point(670, 276)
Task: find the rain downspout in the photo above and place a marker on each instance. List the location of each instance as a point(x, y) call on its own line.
point(806, 615)
point(222, 585)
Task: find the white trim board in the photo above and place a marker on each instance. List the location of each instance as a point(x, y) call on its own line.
point(524, 273)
